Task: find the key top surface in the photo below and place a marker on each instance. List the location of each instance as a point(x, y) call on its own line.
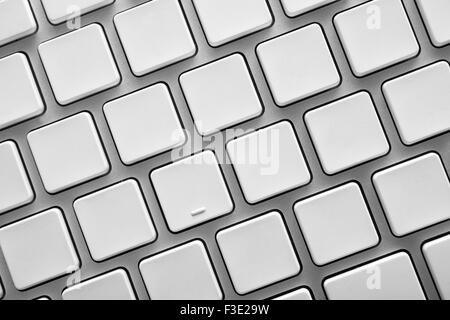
point(114, 285)
point(115, 220)
point(414, 194)
point(79, 64)
point(255, 260)
point(58, 11)
point(15, 187)
point(376, 35)
point(149, 40)
point(347, 132)
point(300, 294)
point(181, 273)
point(16, 20)
point(199, 187)
point(20, 98)
point(436, 15)
point(426, 113)
point(226, 20)
point(144, 123)
point(389, 278)
point(68, 152)
point(336, 223)
point(221, 94)
point(296, 7)
point(268, 162)
point(298, 65)
point(38, 249)
point(437, 255)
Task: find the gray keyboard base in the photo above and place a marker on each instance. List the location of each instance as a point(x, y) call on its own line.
point(311, 275)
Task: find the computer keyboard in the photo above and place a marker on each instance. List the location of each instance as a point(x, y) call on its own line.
point(224, 149)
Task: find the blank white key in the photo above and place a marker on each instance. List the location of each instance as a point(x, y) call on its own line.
point(154, 35)
point(68, 152)
point(347, 132)
point(199, 188)
point(181, 273)
point(227, 20)
point(437, 255)
point(114, 285)
point(114, 220)
point(389, 278)
point(16, 20)
point(19, 95)
point(375, 35)
point(268, 162)
point(38, 249)
point(79, 64)
point(414, 194)
point(436, 15)
point(144, 123)
point(296, 7)
point(15, 188)
point(299, 294)
point(221, 94)
point(298, 65)
point(425, 113)
point(336, 223)
point(258, 252)
point(58, 11)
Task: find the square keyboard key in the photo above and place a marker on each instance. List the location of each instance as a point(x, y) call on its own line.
point(181, 273)
point(221, 94)
point(79, 64)
point(154, 35)
point(114, 285)
point(16, 20)
point(226, 20)
point(437, 255)
point(389, 278)
point(336, 223)
point(68, 152)
point(426, 113)
point(58, 11)
point(20, 98)
point(268, 162)
point(253, 258)
point(296, 7)
point(376, 35)
point(144, 123)
point(436, 15)
point(15, 187)
point(347, 132)
point(114, 220)
point(298, 65)
point(38, 249)
point(199, 188)
point(414, 194)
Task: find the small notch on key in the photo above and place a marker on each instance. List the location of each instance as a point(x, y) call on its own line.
point(198, 211)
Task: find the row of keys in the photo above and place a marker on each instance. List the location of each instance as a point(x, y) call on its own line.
point(393, 185)
point(222, 21)
point(341, 146)
point(312, 72)
point(23, 101)
point(186, 271)
point(267, 162)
